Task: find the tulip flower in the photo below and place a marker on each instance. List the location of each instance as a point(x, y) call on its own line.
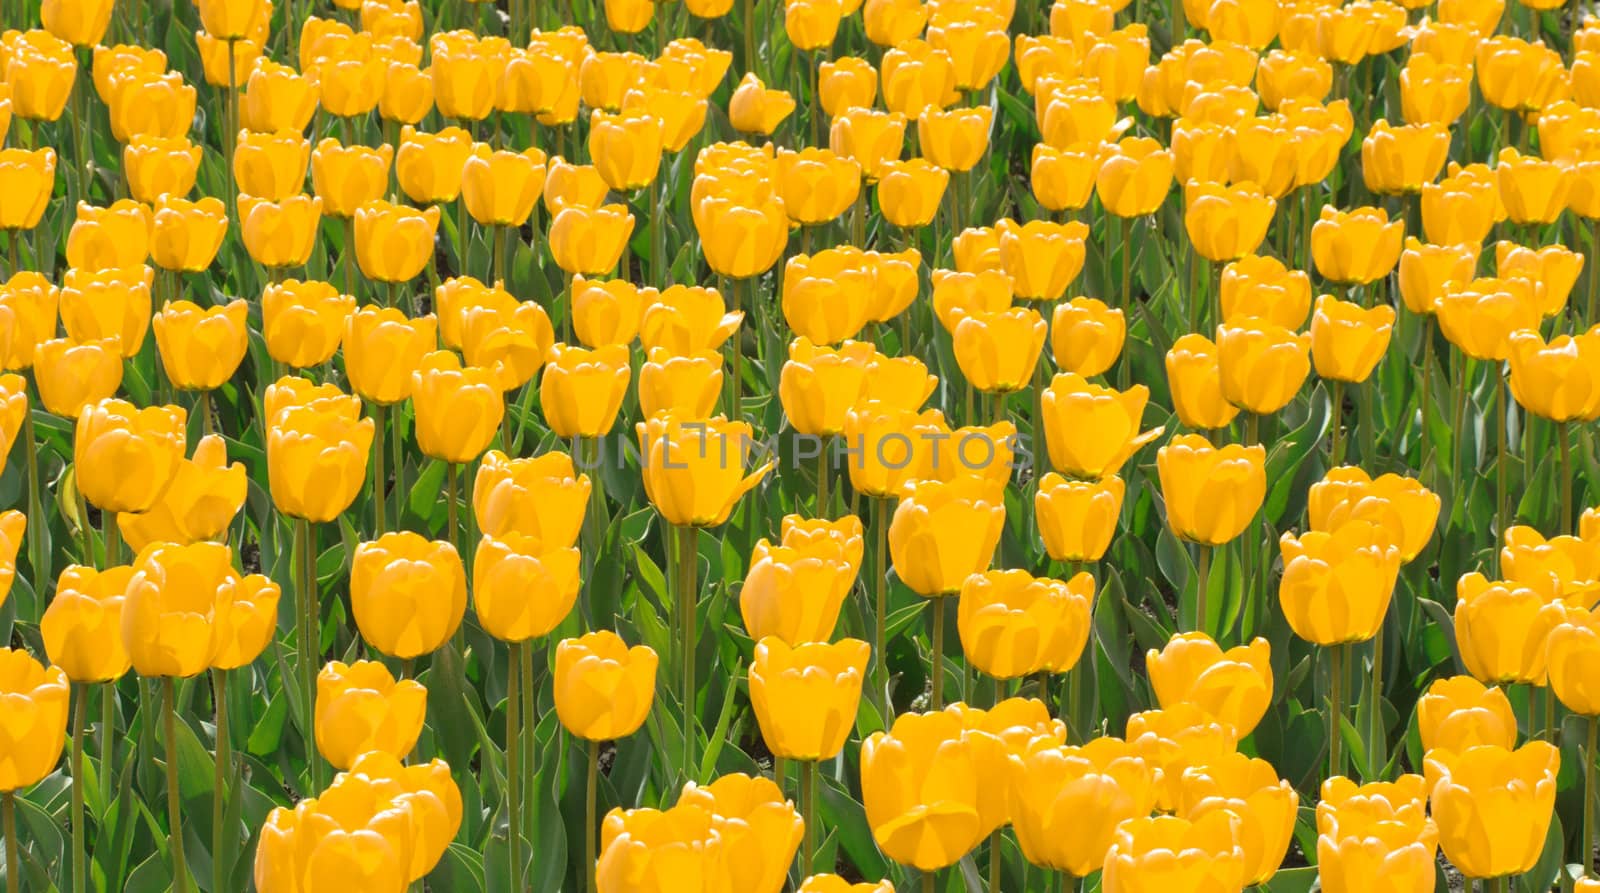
point(1225, 223)
point(590, 241)
point(688, 386)
point(832, 883)
point(201, 501)
point(920, 782)
point(1533, 190)
point(1502, 626)
point(1249, 790)
point(1358, 246)
point(1336, 586)
point(805, 697)
point(502, 188)
point(394, 243)
point(626, 149)
point(303, 322)
point(1086, 336)
point(1405, 510)
point(754, 108)
point(41, 82)
point(511, 339)
point(1346, 340)
point(408, 595)
point(185, 235)
point(1261, 287)
point(871, 138)
point(818, 386)
point(156, 166)
point(28, 178)
point(1073, 409)
point(944, 531)
point(846, 84)
point(694, 470)
point(607, 311)
point(1461, 208)
point(999, 351)
point(1556, 380)
point(1397, 160)
point(244, 630)
point(684, 319)
point(1041, 258)
point(1460, 712)
point(1013, 625)
point(35, 730)
point(176, 601)
point(1262, 365)
point(347, 177)
point(1433, 91)
point(1093, 788)
point(1211, 494)
point(150, 105)
point(955, 140)
point(82, 627)
point(200, 349)
point(1478, 316)
point(741, 241)
point(383, 350)
point(582, 390)
point(603, 78)
point(430, 166)
point(279, 234)
point(78, 23)
point(271, 166)
point(521, 588)
point(72, 374)
point(1194, 374)
point(1134, 177)
point(1365, 854)
point(1426, 270)
point(113, 303)
point(1148, 854)
point(458, 409)
point(541, 496)
point(824, 296)
point(917, 76)
point(1528, 557)
point(909, 192)
point(277, 98)
point(603, 688)
point(1233, 686)
point(1489, 793)
point(316, 462)
point(115, 236)
point(817, 185)
point(125, 456)
point(1555, 267)
point(362, 708)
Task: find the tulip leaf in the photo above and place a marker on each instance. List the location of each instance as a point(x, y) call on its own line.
point(425, 497)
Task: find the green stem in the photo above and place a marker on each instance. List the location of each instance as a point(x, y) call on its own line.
point(1502, 489)
point(1463, 387)
point(8, 817)
point(85, 529)
point(1376, 747)
point(688, 568)
point(1196, 299)
point(808, 784)
point(397, 445)
point(1335, 710)
point(180, 867)
point(736, 405)
point(1425, 392)
point(206, 426)
point(1563, 435)
point(497, 241)
point(514, 763)
point(452, 492)
point(589, 814)
point(995, 867)
point(108, 723)
point(823, 500)
point(80, 716)
point(937, 670)
point(880, 652)
point(112, 535)
point(928, 879)
point(40, 556)
point(529, 744)
point(1589, 757)
point(1126, 295)
point(230, 142)
point(310, 649)
point(219, 790)
point(1594, 273)
point(1201, 615)
point(750, 60)
point(347, 258)
point(379, 478)
point(1336, 420)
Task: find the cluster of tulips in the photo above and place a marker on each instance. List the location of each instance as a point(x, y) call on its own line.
point(540, 232)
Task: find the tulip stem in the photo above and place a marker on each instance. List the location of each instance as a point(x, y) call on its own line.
point(180, 868)
point(1563, 436)
point(937, 676)
point(85, 529)
point(379, 478)
point(1335, 710)
point(80, 716)
point(1202, 587)
point(688, 568)
point(108, 723)
point(1377, 748)
point(808, 791)
point(230, 142)
point(1589, 756)
point(206, 428)
point(750, 60)
point(1463, 386)
point(995, 867)
point(1502, 491)
point(452, 489)
point(1425, 392)
point(219, 790)
point(928, 879)
point(1594, 273)
point(589, 802)
point(1127, 292)
point(529, 743)
point(8, 817)
point(308, 635)
point(14, 247)
point(348, 255)
point(822, 484)
point(881, 596)
point(112, 535)
point(1336, 419)
point(40, 555)
point(736, 405)
point(514, 764)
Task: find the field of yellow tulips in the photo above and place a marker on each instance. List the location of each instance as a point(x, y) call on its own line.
point(829, 446)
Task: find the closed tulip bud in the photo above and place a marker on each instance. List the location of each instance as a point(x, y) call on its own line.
point(466, 79)
point(920, 783)
point(832, 883)
point(533, 81)
point(1150, 854)
point(156, 166)
point(694, 470)
point(429, 166)
point(891, 446)
point(456, 297)
point(185, 235)
point(522, 589)
point(1091, 789)
point(1012, 624)
point(1134, 177)
point(1502, 626)
point(71, 374)
point(1433, 91)
point(1286, 75)
point(113, 303)
point(458, 408)
point(362, 708)
point(82, 627)
point(202, 500)
point(590, 241)
point(626, 149)
point(793, 593)
point(541, 496)
point(26, 181)
point(316, 462)
point(959, 295)
point(1396, 160)
point(1508, 69)
point(1211, 494)
point(1173, 739)
point(1319, 134)
point(1347, 340)
point(687, 386)
point(943, 532)
point(1558, 380)
point(1402, 507)
point(910, 192)
point(78, 23)
point(511, 339)
point(1574, 655)
point(1091, 431)
point(1203, 151)
point(1488, 793)
point(582, 390)
point(177, 599)
point(280, 234)
point(303, 322)
point(115, 236)
point(1461, 208)
point(1040, 257)
point(389, 19)
point(846, 84)
point(628, 16)
point(1358, 246)
point(1063, 179)
point(1533, 190)
point(201, 348)
point(805, 697)
point(1194, 375)
point(683, 319)
point(393, 242)
point(277, 98)
point(152, 105)
point(955, 140)
point(1077, 518)
point(407, 96)
point(890, 23)
point(125, 456)
point(1426, 270)
point(1116, 61)
point(998, 351)
point(501, 188)
point(1086, 336)
point(1479, 315)
point(351, 82)
point(1336, 586)
point(603, 688)
point(121, 59)
point(408, 595)
point(741, 241)
point(345, 178)
point(1234, 686)
point(1226, 222)
point(1460, 712)
point(754, 108)
point(246, 628)
point(607, 311)
point(917, 77)
point(227, 19)
point(35, 728)
point(1556, 267)
point(40, 83)
point(811, 24)
point(816, 185)
point(872, 138)
point(382, 349)
point(895, 285)
point(1259, 287)
point(681, 114)
point(604, 78)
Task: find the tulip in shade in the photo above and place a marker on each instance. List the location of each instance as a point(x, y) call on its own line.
point(1211, 494)
point(1167, 853)
point(1250, 790)
point(793, 593)
point(921, 783)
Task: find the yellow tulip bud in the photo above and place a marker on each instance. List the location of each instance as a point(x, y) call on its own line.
point(26, 180)
point(1063, 179)
point(501, 188)
point(805, 697)
point(458, 409)
point(871, 138)
point(1148, 854)
point(382, 349)
point(1211, 494)
point(1358, 246)
point(541, 496)
point(345, 178)
point(107, 238)
point(1460, 712)
point(124, 457)
point(1091, 789)
point(1397, 160)
point(1012, 624)
point(1091, 431)
point(176, 599)
point(408, 595)
point(1226, 223)
point(201, 348)
point(603, 688)
point(944, 531)
point(1488, 794)
point(910, 192)
point(1134, 177)
point(846, 84)
point(590, 241)
point(1249, 790)
point(920, 783)
point(316, 462)
point(1555, 267)
point(694, 469)
point(82, 627)
point(1041, 258)
point(156, 166)
point(362, 708)
point(1425, 271)
point(1336, 586)
point(280, 234)
point(522, 589)
point(1479, 315)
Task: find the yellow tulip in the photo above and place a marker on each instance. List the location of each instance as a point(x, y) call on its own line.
point(1490, 793)
point(1426, 270)
point(280, 234)
point(316, 461)
point(944, 531)
point(1460, 712)
point(1358, 246)
point(921, 783)
point(1262, 365)
point(303, 322)
point(1091, 431)
point(1336, 586)
point(362, 708)
point(910, 192)
point(816, 185)
point(825, 297)
point(1226, 222)
point(1248, 789)
point(347, 177)
point(805, 697)
point(1404, 509)
point(603, 688)
point(82, 627)
point(871, 138)
point(1012, 624)
point(271, 165)
point(156, 166)
point(502, 188)
point(694, 469)
point(408, 595)
point(201, 348)
point(540, 496)
point(998, 351)
point(846, 84)
point(1534, 190)
point(458, 409)
point(35, 729)
point(1478, 316)
point(1211, 494)
point(199, 504)
point(521, 588)
point(1397, 160)
point(1134, 177)
point(1041, 258)
point(124, 456)
point(1194, 375)
point(582, 390)
point(1091, 789)
point(114, 236)
point(1151, 854)
point(383, 349)
point(176, 601)
point(1555, 267)
point(1502, 626)
point(590, 241)
point(685, 318)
